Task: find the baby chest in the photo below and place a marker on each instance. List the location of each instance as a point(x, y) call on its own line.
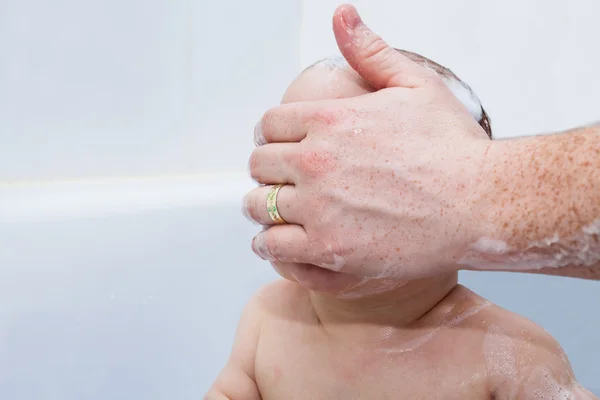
point(305, 369)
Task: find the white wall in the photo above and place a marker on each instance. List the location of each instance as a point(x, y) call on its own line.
point(125, 129)
point(535, 65)
point(138, 305)
point(138, 87)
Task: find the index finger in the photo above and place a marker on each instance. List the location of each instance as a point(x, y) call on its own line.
point(291, 122)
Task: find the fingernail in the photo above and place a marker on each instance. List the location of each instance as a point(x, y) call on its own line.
point(246, 210)
point(259, 136)
point(249, 168)
point(258, 246)
point(351, 18)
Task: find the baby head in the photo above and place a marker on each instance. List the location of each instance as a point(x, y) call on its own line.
point(332, 78)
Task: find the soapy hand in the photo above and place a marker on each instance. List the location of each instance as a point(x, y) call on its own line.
point(380, 185)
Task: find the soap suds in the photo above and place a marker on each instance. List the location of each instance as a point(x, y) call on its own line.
point(543, 386)
point(418, 342)
point(501, 362)
point(389, 269)
point(499, 351)
point(474, 378)
point(582, 249)
point(369, 287)
point(338, 262)
point(337, 62)
point(466, 96)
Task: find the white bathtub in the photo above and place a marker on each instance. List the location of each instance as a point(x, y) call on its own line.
point(132, 289)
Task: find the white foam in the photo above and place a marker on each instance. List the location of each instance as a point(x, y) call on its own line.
point(420, 341)
point(500, 356)
point(338, 62)
point(469, 313)
point(593, 228)
point(490, 246)
point(466, 96)
point(542, 385)
point(338, 261)
point(362, 289)
point(580, 250)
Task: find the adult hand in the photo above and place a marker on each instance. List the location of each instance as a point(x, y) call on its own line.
point(381, 185)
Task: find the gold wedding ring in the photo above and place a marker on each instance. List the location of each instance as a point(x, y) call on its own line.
point(272, 205)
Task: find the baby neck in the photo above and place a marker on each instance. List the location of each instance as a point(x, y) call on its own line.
point(397, 308)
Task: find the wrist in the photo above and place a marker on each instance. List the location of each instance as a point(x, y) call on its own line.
point(536, 204)
point(489, 225)
point(478, 215)
point(492, 190)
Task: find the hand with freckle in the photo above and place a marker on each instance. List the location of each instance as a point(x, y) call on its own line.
point(382, 184)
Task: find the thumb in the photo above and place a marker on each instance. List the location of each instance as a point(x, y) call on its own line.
point(368, 54)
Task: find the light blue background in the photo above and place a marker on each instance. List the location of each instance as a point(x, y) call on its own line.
point(145, 306)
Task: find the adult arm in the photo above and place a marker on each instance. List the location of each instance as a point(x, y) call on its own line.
point(543, 214)
point(403, 183)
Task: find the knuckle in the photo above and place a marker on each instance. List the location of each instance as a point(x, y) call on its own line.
point(334, 254)
point(253, 165)
point(267, 123)
point(387, 58)
point(315, 162)
point(255, 207)
point(250, 206)
point(327, 116)
point(272, 247)
point(374, 48)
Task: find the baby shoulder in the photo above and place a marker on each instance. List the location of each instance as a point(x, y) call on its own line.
point(522, 359)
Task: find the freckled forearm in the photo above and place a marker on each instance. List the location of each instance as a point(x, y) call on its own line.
point(541, 206)
point(574, 271)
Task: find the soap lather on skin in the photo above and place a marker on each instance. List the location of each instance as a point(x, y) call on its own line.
point(581, 249)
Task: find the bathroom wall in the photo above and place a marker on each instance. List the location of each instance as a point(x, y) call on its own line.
point(125, 127)
point(534, 65)
point(121, 306)
point(138, 87)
